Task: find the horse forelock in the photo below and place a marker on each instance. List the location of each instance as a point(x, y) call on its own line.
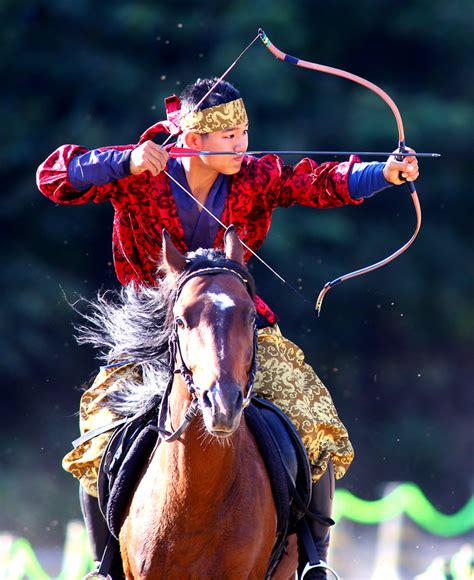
point(211, 258)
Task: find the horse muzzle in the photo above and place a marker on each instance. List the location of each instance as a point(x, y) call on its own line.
point(222, 407)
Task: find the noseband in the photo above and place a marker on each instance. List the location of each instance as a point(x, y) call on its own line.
point(186, 373)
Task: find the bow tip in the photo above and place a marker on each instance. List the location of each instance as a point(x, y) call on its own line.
point(263, 36)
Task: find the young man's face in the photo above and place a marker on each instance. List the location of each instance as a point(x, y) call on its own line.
point(235, 139)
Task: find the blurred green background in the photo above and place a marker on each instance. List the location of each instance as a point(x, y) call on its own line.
point(394, 347)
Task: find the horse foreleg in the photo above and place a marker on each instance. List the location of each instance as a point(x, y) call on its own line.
point(127, 568)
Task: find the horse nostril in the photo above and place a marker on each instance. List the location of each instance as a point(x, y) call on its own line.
point(240, 400)
point(206, 400)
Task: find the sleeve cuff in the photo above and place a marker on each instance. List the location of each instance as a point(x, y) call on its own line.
point(98, 167)
point(367, 179)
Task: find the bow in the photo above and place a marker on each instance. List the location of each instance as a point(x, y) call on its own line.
point(400, 154)
point(401, 149)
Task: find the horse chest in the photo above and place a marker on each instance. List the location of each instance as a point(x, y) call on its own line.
point(198, 531)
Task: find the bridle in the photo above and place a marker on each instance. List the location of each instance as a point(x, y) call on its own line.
point(185, 371)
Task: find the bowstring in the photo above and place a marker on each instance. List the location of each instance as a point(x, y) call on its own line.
point(219, 80)
point(266, 264)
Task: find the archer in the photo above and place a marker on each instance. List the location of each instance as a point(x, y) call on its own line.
point(151, 191)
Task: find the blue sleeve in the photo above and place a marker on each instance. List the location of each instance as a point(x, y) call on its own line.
point(367, 179)
point(98, 167)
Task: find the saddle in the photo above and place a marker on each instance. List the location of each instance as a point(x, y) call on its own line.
point(277, 439)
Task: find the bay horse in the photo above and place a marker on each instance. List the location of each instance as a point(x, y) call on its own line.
point(203, 504)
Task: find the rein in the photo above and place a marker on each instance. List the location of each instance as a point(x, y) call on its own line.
point(186, 373)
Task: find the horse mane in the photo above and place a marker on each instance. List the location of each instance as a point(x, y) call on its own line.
point(134, 325)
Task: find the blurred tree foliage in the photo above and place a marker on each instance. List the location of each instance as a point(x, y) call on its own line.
point(395, 347)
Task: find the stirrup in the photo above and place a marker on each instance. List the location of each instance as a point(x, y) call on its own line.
point(320, 565)
point(96, 576)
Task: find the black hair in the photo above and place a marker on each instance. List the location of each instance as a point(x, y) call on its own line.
point(224, 92)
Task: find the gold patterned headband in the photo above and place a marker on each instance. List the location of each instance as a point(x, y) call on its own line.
point(218, 118)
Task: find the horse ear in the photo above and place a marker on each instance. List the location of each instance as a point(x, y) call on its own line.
point(234, 249)
point(172, 259)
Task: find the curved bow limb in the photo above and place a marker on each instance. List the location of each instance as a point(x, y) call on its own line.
point(401, 147)
point(337, 72)
point(383, 262)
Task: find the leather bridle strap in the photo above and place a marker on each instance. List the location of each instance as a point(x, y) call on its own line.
point(207, 272)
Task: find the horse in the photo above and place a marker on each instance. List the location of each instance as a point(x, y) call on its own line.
point(203, 504)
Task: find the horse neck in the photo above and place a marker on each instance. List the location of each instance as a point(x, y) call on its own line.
point(198, 462)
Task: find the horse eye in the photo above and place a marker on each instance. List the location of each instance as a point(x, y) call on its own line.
point(252, 317)
point(179, 322)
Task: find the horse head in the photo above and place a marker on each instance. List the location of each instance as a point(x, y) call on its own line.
point(214, 331)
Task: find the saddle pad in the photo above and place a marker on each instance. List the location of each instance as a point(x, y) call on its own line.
point(119, 473)
point(274, 464)
point(292, 449)
point(288, 469)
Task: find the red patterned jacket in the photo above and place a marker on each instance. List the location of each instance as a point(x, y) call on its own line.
point(144, 205)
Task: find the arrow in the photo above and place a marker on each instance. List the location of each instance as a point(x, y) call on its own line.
point(185, 152)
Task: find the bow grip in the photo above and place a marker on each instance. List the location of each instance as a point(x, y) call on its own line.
point(402, 149)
